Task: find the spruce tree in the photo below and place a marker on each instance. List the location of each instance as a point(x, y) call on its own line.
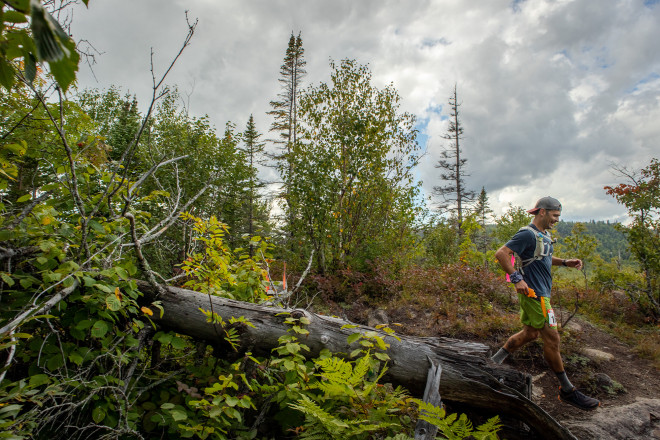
point(253, 151)
point(285, 109)
point(483, 212)
point(454, 194)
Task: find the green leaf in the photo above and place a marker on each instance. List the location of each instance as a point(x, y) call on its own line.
point(167, 405)
point(30, 64)
point(164, 338)
point(10, 411)
point(24, 198)
point(14, 17)
point(96, 226)
point(98, 414)
point(6, 74)
point(112, 302)
point(89, 281)
point(84, 324)
point(352, 338)
point(178, 343)
point(100, 328)
point(104, 288)
point(7, 279)
point(76, 358)
point(122, 273)
point(382, 356)
point(65, 69)
point(178, 415)
point(55, 362)
point(39, 379)
point(292, 348)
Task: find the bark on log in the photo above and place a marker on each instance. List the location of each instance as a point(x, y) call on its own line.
point(468, 376)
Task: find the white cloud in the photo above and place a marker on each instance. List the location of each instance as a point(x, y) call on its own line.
point(552, 92)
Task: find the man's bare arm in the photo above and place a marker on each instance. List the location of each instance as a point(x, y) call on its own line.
point(503, 256)
point(576, 263)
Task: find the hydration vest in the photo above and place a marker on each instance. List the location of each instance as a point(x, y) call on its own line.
point(540, 251)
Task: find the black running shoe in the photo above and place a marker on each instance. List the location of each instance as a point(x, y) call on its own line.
point(578, 400)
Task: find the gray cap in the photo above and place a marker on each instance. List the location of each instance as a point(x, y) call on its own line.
point(548, 203)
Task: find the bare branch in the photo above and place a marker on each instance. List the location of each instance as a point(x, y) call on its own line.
point(26, 211)
point(151, 171)
point(39, 310)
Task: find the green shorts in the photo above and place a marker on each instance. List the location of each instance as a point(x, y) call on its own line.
point(536, 313)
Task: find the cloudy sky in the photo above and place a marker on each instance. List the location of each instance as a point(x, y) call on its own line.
point(553, 92)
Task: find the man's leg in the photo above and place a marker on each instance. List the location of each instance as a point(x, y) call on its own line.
point(531, 319)
point(527, 334)
point(567, 392)
point(552, 354)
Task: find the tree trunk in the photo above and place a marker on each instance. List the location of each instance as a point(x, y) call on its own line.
point(468, 376)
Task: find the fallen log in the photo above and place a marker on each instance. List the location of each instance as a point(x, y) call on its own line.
point(468, 376)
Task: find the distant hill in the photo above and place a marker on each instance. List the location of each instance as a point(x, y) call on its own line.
point(611, 242)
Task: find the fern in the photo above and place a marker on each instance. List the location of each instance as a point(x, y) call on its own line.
point(336, 370)
point(311, 410)
point(454, 427)
point(321, 424)
point(487, 431)
point(360, 370)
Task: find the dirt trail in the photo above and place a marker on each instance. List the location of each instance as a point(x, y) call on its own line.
point(630, 410)
point(627, 385)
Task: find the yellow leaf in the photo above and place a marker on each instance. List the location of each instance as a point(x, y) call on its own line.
point(46, 220)
point(118, 293)
point(147, 311)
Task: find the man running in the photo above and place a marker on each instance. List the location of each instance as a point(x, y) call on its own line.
point(533, 246)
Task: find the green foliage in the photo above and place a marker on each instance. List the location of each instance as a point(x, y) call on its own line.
point(509, 223)
point(353, 184)
point(344, 398)
point(43, 41)
point(216, 270)
point(611, 241)
point(441, 242)
point(641, 196)
point(472, 231)
point(580, 245)
point(454, 427)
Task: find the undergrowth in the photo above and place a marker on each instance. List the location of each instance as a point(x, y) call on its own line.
point(454, 300)
point(615, 313)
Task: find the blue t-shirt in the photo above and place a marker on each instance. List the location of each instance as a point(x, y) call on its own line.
point(537, 274)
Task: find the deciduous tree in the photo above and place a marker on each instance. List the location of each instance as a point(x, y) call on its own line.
point(641, 196)
point(353, 182)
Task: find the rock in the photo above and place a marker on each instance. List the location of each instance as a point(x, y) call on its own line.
point(597, 355)
point(537, 393)
point(573, 326)
point(537, 390)
point(603, 380)
point(633, 421)
point(376, 317)
point(538, 377)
